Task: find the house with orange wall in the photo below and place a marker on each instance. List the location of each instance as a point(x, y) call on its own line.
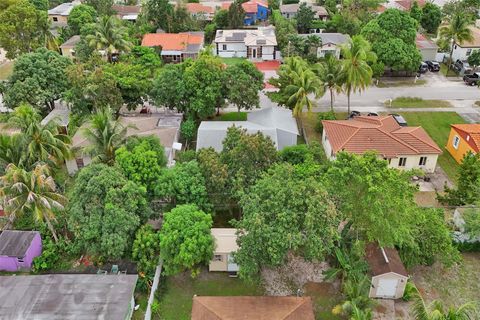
point(463, 138)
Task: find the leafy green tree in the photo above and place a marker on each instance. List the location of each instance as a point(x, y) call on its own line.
point(416, 12)
point(185, 239)
point(105, 211)
point(303, 153)
point(437, 310)
point(474, 58)
point(344, 22)
point(376, 199)
point(236, 15)
point(110, 36)
point(31, 193)
point(38, 78)
point(357, 72)
point(467, 8)
point(296, 81)
point(210, 32)
point(468, 186)
point(398, 56)
point(203, 81)
point(168, 89)
point(247, 156)
point(300, 218)
point(182, 20)
point(215, 174)
point(132, 80)
point(79, 16)
point(284, 28)
point(41, 5)
point(11, 151)
point(160, 13)
point(188, 130)
point(471, 216)
point(304, 17)
point(456, 32)
point(331, 76)
point(146, 57)
point(146, 249)
point(105, 136)
point(142, 160)
point(243, 82)
point(103, 7)
point(221, 19)
point(183, 184)
point(431, 17)
point(21, 27)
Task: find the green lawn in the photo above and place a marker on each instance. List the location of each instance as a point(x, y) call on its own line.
point(411, 102)
point(6, 70)
point(176, 292)
point(232, 116)
point(437, 125)
point(309, 122)
point(444, 69)
point(232, 61)
point(401, 83)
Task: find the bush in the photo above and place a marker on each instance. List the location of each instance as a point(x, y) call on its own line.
point(54, 255)
point(186, 156)
point(468, 246)
point(324, 116)
point(188, 129)
point(410, 291)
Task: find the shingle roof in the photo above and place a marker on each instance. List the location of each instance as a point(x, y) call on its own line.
point(381, 134)
point(172, 41)
point(15, 243)
point(63, 9)
point(293, 8)
point(252, 308)
point(330, 37)
point(71, 42)
point(470, 133)
point(248, 7)
point(60, 115)
point(424, 43)
point(379, 265)
point(199, 8)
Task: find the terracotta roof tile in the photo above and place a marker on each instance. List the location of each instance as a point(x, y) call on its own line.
point(381, 134)
point(470, 133)
point(199, 8)
point(171, 41)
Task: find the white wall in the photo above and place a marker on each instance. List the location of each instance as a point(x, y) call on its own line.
point(267, 52)
point(328, 48)
point(233, 50)
point(461, 53)
point(285, 139)
point(428, 54)
point(401, 283)
point(413, 163)
point(327, 147)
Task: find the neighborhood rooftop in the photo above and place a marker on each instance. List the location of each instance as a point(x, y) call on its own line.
point(195, 8)
point(381, 134)
point(15, 243)
point(384, 260)
point(185, 41)
point(262, 35)
point(66, 296)
point(225, 239)
point(329, 38)
point(60, 115)
point(470, 133)
point(423, 42)
point(293, 8)
point(63, 9)
point(252, 308)
point(70, 43)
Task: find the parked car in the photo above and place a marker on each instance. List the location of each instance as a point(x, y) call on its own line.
point(353, 114)
point(400, 120)
point(372, 114)
point(423, 67)
point(472, 79)
point(433, 66)
point(462, 67)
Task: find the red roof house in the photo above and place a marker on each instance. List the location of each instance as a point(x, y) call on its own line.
point(175, 47)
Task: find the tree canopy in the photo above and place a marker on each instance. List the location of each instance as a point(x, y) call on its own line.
point(80, 16)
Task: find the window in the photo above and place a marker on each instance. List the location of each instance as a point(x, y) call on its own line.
point(456, 142)
point(224, 47)
point(20, 260)
point(469, 52)
point(218, 257)
point(402, 162)
point(174, 58)
point(55, 19)
point(80, 163)
point(423, 161)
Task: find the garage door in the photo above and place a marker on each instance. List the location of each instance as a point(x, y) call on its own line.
point(387, 288)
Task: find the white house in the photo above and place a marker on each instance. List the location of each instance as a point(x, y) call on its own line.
point(254, 44)
point(403, 147)
point(289, 11)
point(389, 276)
point(59, 15)
point(276, 123)
point(464, 50)
point(331, 43)
point(164, 126)
point(225, 245)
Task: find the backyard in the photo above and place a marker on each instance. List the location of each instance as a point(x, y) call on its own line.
point(6, 70)
point(232, 61)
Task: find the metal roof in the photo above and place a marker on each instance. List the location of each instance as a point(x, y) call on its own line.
point(60, 115)
point(63, 9)
point(327, 37)
point(14, 243)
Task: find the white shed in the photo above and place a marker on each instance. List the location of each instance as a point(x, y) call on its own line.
point(225, 246)
point(389, 276)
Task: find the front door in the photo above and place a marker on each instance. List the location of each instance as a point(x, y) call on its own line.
point(387, 288)
point(254, 53)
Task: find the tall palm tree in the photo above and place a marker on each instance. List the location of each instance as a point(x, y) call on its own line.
point(31, 192)
point(11, 151)
point(358, 74)
point(437, 311)
point(42, 142)
point(331, 75)
point(110, 36)
point(105, 135)
point(456, 32)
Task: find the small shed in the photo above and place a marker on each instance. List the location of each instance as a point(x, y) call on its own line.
point(225, 245)
point(389, 276)
point(18, 248)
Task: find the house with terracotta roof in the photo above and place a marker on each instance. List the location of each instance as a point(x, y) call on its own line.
point(463, 138)
point(428, 48)
point(254, 44)
point(175, 47)
point(403, 147)
point(255, 11)
point(252, 308)
point(461, 51)
point(200, 11)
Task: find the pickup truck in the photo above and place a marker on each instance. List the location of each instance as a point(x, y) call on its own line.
point(472, 79)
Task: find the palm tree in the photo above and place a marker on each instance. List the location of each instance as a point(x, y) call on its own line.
point(437, 311)
point(302, 83)
point(358, 74)
point(42, 142)
point(331, 76)
point(456, 32)
point(105, 135)
point(110, 36)
point(31, 192)
point(11, 151)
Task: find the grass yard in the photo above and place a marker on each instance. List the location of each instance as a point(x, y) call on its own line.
point(456, 285)
point(444, 69)
point(411, 102)
point(309, 121)
point(176, 292)
point(401, 83)
point(325, 297)
point(232, 61)
point(437, 125)
point(6, 70)
point(232, 116)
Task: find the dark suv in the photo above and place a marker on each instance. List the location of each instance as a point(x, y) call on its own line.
point(462, 67)
point(423, 67)
point(433, 66)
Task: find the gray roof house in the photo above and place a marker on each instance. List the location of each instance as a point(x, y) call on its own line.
point(331, 43)
point(59, 15)
point(289, 11)
point(276, 123)
point(67, 296)
point(60, 115)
